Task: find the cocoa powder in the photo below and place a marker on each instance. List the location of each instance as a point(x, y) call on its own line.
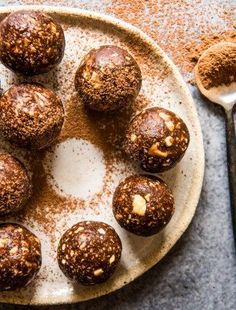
point(218, 66)
point(105, 130)
point(181, 29)
point(195, 49)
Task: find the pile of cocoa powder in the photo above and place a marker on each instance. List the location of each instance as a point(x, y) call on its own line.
point(224, 58)
point(218, 66)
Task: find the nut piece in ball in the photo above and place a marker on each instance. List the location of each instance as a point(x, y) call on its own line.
point(143, 205)
point(157, 138)
point(15, 185)
point(108, 78)
point(20, 256)
point(89, 252)
point(31, 115)
point(31, 42)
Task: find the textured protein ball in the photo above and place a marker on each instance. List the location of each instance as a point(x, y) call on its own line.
point(143, 205)
point(15, 185)
point(20, 256)
point(157, 138)
point(89, 252)
point(31, 115)
point(108, 78)
point(31, 42)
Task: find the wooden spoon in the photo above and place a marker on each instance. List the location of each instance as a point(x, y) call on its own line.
point(224, 95)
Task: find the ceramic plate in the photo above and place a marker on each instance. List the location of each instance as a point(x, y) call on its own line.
point(78, 172)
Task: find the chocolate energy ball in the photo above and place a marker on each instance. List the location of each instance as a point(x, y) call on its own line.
point(20, 256)
point(143, 204)
point(15, 185)
point(89, 252)
point(157, 138)
point(31, 42)
point(108, 78)
point(31, 115)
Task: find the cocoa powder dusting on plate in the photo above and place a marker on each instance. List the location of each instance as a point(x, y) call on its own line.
point(45, 202)
point(105, 131)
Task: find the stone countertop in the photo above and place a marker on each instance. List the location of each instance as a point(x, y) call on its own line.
point(200, 271)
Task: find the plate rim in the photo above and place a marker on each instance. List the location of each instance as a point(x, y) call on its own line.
point(197, 180)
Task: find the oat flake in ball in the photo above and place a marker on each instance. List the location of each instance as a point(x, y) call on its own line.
point(31, 42)
point(108, 78)
point(20, 256)
point(143, 204)
point(31, 115)
point(89, 252)
point(157, 138)
point(15, 185)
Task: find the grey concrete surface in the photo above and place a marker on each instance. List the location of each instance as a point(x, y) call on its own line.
point(200, 271)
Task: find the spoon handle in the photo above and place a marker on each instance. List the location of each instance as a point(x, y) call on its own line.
point(231, 153)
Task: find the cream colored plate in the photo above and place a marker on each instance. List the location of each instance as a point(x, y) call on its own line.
point(79, 165)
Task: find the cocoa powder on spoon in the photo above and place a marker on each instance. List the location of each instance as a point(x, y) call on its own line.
point(218, 67)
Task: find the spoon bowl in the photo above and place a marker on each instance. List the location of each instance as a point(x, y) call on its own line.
point(224, 95)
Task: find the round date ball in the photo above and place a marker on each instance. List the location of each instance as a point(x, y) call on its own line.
point(156, 138)
point(31, 115)
point(20, 256)
point(143, 205)
point(89, 252)
point(31, 42)
point(108, 78)
point(15, 185)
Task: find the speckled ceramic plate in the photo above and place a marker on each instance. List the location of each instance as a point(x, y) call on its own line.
point(77, 170)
